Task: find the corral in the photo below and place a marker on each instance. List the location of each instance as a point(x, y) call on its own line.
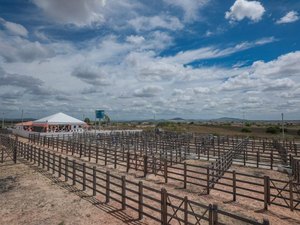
point(225, 180)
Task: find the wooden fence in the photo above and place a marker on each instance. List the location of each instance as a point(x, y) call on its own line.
point(160, 206)
point(259, 152)
point(234, 185)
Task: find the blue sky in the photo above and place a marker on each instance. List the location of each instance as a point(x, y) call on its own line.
point(196, 59)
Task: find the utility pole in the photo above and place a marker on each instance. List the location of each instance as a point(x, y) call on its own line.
point(22, 117)
point(2, 120)
point(282, 126)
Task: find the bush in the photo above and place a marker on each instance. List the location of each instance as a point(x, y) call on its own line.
point(298, 132)
point(285, 130)
point(273, 130)
point(246, 130)
point(248, 124)
point(87, 120)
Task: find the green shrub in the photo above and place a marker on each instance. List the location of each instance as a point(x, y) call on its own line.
point(246, 130)
point(273, 130)
point(285, 130)
point(248, 124)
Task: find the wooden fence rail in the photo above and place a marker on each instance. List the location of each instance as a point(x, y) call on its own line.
point(159, 205)
point(259, 153)
point(189, 176)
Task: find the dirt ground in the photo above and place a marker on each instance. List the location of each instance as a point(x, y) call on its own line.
point(28, 197)
point(31, 198)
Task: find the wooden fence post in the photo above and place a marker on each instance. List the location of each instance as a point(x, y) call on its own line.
point(74, 172)
point(107, 186)
point(166, 170)
point(272, 159)
point(291, 195)
point(128, 162)
point(145, 165)
point(94, 181)
point(164, 209)
point(115, 158)
point(83, 177)
point(48, 161)
point(53, 160)
point(184, 175)
point(15, 149)
point(234, 185)
point(208, 180)
point(43, 157)
point(80, 150)
point(140, 200)
point(123, 192)
point(105, 156)
point(59, 166)
point(266, 192)
point(215, 213)
point(186, 210)
point(210, 215)
point(2, 155)
point(39, 157)
point(66, 168)
point(97, 152)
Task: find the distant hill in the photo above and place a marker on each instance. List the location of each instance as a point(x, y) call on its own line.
point(177, 118)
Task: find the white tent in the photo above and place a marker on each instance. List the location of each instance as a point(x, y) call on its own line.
point(59, 119)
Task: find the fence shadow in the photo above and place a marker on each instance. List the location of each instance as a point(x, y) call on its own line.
point(115, 212)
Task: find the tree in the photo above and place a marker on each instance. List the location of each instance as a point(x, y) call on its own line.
point(87, 120)
point(246, 130)
point(106, 118)
point(273, 130)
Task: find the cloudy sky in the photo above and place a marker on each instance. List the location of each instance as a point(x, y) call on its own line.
point(188, 58)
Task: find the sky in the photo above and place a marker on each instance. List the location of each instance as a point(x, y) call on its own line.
point(140, 59)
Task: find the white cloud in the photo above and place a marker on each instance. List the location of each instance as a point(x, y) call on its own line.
point(14, 28)
point(77, 12)
point(91, 75)
point(134, 39)
point(213, 52)
point(284, 66)
point(201, 90)
point(280, 74)
point(280, 84)
point(242, 9)
point(16, 49)
point(190, 7)
point(148, 91)
point(290, 17)
point(143, 23)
